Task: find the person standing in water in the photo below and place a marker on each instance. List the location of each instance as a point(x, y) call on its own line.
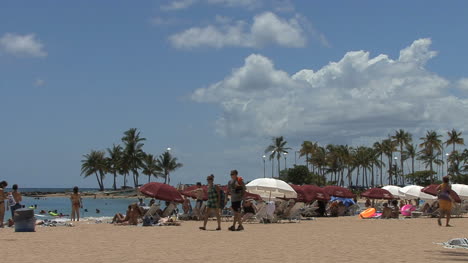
point(236, 188)
point(445, 202)
point(212, 205)
point(76, 204)
point(3, 185)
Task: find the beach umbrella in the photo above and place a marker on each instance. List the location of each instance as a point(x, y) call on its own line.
point(189, 192)
point(301, 195)
point(315, 193)
point(252, 196)
point(393, 189)
point(378, 193)
point(414, 192)
point(269, 188)
point(461, 190)
point(338, 191)
point(432, 190)
point(161, 191)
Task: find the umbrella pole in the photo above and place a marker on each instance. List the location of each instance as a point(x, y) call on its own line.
point(269, 197)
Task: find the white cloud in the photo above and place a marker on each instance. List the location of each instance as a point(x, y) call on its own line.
point(463, 84)
point(39, 82)
point(356, 97)
point(161, 21)
point(266, 29)
point(178, 5)
point(22, 45)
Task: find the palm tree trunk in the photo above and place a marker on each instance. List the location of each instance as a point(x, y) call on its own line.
point(357, 177)
point(125, 180)
point(101, 188)
point(279, 168)
point(372, 180)
point(149, 178)
point(401, 163)
point(381, 168)
point(101, 174)
point(115, 183)
point(412, 165)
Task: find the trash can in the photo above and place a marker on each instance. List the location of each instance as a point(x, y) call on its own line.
point(24, 220)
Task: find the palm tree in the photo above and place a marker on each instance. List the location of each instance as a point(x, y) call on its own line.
point(388, 148)
point(150, 167)
point(94, 163)
point(277, 148)
point(378, 147)
point(167, 164)
point(454, 138)
point(133, 152)
point(431, 149)
point(114, 162)
point(402, 138)
point(307, 148)
point(410, 152)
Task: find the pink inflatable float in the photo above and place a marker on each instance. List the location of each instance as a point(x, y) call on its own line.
point(407, 209)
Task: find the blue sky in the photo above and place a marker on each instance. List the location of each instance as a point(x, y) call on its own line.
point(216, 79)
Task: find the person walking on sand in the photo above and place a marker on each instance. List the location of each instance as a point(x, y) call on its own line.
point(76, 204)
point(236, 189)
point(16, 200)
point(3, 185)
point(199, 192)
point(445, 202)
point(212, 205)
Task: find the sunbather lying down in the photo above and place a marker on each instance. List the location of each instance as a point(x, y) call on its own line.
point(131, 218)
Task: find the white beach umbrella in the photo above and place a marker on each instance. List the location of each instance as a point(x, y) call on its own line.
point(461, 190)
point(414, 192)
point(269, 188)
point(393, 189)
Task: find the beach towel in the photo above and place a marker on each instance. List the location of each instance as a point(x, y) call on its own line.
point(455, 243)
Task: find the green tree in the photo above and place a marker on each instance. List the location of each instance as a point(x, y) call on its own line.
point(133, 152)
point(410, 152)
point(167, 164)
point(389, 147)
point(422, 178)
point(379, 150)
point(307, 149)
point(454, 138)
point(301, 175)
point(150, 167)
point(94, 163)
point(431, 149)
point(114, 162)
point(277, 149)
point(402, 138)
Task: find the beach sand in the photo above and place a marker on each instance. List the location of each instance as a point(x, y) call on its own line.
point(343, 239)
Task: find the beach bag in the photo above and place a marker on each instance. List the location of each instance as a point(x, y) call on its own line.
point(148, 221)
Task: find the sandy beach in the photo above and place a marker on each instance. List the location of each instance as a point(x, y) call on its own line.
point(343, 239)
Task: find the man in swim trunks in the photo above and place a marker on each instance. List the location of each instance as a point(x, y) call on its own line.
point(199, 193)
point(236, 189)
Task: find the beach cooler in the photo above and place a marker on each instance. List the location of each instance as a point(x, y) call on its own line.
point(24, 220)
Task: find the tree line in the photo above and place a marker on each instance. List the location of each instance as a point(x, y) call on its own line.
point(340, 164)
point(128, 159)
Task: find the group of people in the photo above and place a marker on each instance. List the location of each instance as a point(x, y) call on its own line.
point(236, 189)
point(9, 201)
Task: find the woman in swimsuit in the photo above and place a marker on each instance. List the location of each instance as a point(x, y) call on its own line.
point(76, 204)
point(3, 185)
point(445, 202)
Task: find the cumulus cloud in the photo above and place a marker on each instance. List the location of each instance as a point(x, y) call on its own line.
point(355, 97)
point(463, 84)
point(22, 45)
point(266, 29)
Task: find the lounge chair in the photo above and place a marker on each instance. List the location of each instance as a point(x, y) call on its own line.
point(295, 212)
point(169, 210)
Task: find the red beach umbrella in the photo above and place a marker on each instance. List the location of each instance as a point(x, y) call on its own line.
point(161, 191)
point(315, 193)
point(432, 190)
point(188, 192)
point(255, 197)
point(378, 193)
point(338, 191)
point(301, 195)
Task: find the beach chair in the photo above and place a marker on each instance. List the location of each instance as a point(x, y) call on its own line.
point(169, 210)
point(457, 210)
point(294, 214)
point(226, 215)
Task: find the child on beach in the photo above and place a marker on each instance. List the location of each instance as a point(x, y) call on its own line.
point(76, 204)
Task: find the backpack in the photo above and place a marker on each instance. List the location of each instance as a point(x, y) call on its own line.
point(222, 198)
